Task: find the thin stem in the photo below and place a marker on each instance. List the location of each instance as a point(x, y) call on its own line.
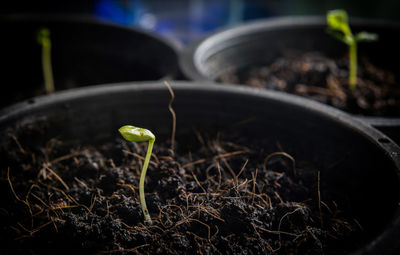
point(353, 66)
point(172, 113)
point(46, 65)
point(141, 183)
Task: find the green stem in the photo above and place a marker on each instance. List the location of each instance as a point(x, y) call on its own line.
point(353, 66)
point(46, 66)
point(146, 214)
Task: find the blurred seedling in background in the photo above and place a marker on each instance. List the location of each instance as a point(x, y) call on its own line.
point(338, 27)
point(43, 38)
point(136, 134)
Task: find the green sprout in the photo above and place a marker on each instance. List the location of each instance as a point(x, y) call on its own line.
point(339, 28)
point(43, 38)
point(136, 134)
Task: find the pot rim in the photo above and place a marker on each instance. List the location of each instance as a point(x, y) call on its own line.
point(385, 144)
point(190, 60)
point(19, 109)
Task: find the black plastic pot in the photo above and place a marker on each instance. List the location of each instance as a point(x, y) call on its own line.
point(85, 52)
point(357, 162)
point(263, 41)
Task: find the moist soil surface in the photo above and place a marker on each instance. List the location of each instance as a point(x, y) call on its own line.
point(324, 79)
point(221, 196)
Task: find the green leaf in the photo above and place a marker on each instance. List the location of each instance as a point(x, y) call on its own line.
point(337, 20)
point(43, 37)
point(136, 134)
point(366, 37)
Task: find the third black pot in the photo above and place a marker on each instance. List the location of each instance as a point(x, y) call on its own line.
point(262, 42)
point(84, 52)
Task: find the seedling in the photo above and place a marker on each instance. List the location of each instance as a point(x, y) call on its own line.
point(43, 38)
point(136, 134)
point(339, 28)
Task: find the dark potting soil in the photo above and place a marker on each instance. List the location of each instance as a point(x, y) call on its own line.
point(219, 198)
point(324, 79)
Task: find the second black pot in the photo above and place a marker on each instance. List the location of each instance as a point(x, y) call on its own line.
point(262, 42)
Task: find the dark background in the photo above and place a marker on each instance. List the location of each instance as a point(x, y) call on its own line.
point(186, 20)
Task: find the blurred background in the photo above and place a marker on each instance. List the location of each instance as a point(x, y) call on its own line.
point(186, 20)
